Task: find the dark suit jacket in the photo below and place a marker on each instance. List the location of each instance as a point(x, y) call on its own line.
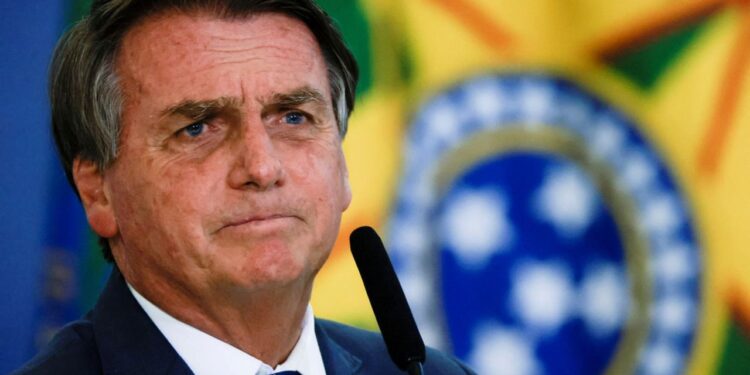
point(117, 337)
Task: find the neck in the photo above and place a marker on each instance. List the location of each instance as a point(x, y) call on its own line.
point(265, 322)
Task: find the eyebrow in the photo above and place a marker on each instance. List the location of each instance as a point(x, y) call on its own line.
point(197, 109)
point(298, 96)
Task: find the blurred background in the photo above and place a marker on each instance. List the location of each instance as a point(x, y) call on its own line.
point(564, 186)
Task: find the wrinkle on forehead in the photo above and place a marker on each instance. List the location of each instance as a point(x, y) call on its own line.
point(222, 36)
point(244, 55)
point(213, 42)
point(227, 42)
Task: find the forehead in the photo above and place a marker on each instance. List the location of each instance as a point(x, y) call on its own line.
point(174, 55)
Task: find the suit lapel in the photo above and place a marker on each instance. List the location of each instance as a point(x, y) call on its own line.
point(128, 341)
point(337, 359)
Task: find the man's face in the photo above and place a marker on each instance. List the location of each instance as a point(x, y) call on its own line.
point(230, 174)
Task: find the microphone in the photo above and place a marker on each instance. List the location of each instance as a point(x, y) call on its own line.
point(400, 332)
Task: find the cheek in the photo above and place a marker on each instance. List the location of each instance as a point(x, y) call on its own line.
point(170, 199)
point(327, 183)
point(186, 196)
point(323, 176)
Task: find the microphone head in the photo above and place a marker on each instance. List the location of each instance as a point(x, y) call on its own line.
point(387, 299)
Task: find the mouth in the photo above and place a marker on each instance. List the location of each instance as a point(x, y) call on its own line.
point(260, 223)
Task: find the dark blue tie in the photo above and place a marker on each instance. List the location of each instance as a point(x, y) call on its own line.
point(287, 373)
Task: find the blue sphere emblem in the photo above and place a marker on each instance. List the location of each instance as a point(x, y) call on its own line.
point(536, 231)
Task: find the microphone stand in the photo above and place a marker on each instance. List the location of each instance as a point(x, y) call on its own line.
point(415, 368)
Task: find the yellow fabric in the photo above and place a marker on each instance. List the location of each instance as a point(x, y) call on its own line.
point(560, 37)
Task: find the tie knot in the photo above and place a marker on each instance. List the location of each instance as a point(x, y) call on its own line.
point(287, 373)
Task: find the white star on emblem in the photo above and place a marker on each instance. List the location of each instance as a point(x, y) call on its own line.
point(662, 214)
point(412, 238)
point(420, 192)
point(674, 314)
point(416, 288)
point(500, 351)
point(566, 199)
point(542, 295)
point(574, 111)
point(443, 122)
point(536, 102)
point(486, 101)
point(431, 335)
point(674, 264)
point(638, 171)
point(661, 360)
point(475, 225)
point(607, 137)
point(603, 299)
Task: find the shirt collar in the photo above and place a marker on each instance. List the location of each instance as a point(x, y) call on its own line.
point(205, 354)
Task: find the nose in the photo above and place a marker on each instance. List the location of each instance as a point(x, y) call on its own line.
point(257, 165)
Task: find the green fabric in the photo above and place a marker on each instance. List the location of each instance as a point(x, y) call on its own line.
point(646, 64)
point(736, 356)
point(351, 20)
point(95, 272)
point(78, 9)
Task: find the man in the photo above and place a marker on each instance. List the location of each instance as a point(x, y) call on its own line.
point(204, 140)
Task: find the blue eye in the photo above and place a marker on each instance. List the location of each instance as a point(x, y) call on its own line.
point(294, 118)
point(194, 130)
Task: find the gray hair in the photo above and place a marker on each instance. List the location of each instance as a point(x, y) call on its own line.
point(85, 94)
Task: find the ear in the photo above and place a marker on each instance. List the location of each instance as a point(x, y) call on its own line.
point(89, 181)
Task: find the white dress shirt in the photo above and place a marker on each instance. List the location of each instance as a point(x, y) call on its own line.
point(207, 355)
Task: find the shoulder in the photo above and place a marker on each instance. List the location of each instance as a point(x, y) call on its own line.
point(370, 348)
point(72, 351)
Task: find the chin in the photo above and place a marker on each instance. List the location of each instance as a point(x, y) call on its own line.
point(269, 262)
point(270, 267)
